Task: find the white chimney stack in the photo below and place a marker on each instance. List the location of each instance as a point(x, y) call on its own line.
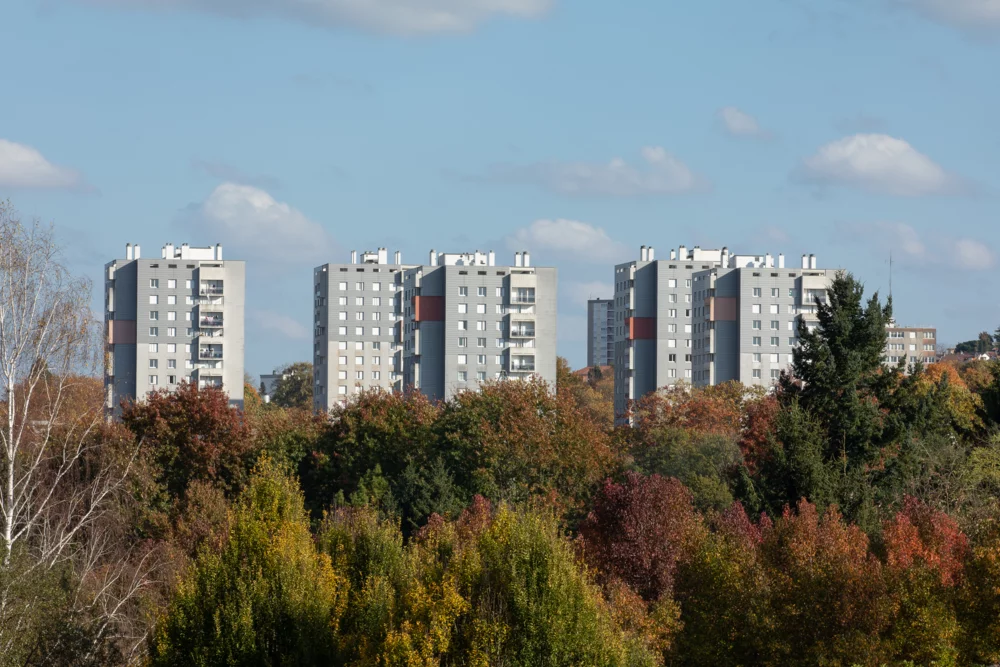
point(642, 253)
point(433, 258)
point(673, 254)
point(397, 258)
point(768, 261)
point(128, 251)
point(218, 251)
point(493, 258)
point(137, 251)
point(812, 261)
point(649, 253)
point(682, 254)
point(354, 257)
point(805, 261)
point(781, 260)
point(527, 258)
point(517, 259)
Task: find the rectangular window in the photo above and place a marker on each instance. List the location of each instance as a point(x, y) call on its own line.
point(359, 331)
point(342, 390)
point(171, 299)
point(359, 361)
point(775, 324)
point(153, 299)
point(463, 359)
point(154, 380)
point(756, 324)
point(774, 309)
point(187, 284)
point(171, 347)
point(480, 342)
point(463, 325)
point(672, 342)
point(775, 374)
point(687, 283)
point(791, 292)
point(756, 341)
point(376, 287)
point(171, 315)
point(498, 360)
point(187, 316)
point(671, 372)
point(376, 331)
point(755, 309)
point(463, 376)
point(359, 375)
point(359, 301)
point(171, 283)
point(154, 331)
point(756, 292)
point(672, 358)
point(499, 342)
point(342, 360)
point(671, 282)
point(481, 308)
point(671, 328)
point(342, 287)
point(154, 314)
point(480, 291)
point(481, 325)
point(463, 291)
point(376, 300)
point(360, 287)
point(341, 375)
point(189, 300)
point(672, 313)
point(359, 345)
point(773, 358)
point(481, 359)
point(376, 375)
point(154, 283)
point(154, 347)
point(172, 379)
point(359, 315)
point(376, 361)
point(171, 363)
point(672, 298)
point(481, 376)
point(791, 342)
point(463, 342)
point(463, 308)
point(756, 373)
point(171, 331)
point(775, 342)
point(756, 357)
point(774, 292)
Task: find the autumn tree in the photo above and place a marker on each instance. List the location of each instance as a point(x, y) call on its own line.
point(268, 598)
point(294, 388)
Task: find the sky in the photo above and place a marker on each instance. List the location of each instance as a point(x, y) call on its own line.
point(293, 131)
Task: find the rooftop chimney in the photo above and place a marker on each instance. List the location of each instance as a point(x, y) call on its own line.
point(137, 251)
point(649, 253)
point(781, 260)
point(397, 258)
point(682, 253)
point(527, 258)
point(642, 253)
point(493, 258)
point(354, 257)
point(673, 254)
point(433, 258)
point(805, 261)
point(128, 251)
point(517, 259)
point(812, 261)
point(218, 251)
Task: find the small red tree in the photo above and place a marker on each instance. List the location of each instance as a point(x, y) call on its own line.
point(919, 535)
point(639, 530)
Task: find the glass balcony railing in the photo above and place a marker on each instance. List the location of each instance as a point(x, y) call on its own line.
point(210, 320)
point(210, 289)
point(522, 365)
point(522, 331)
point(210, 353)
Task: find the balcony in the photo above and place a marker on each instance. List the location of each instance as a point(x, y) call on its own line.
point(525, 299)
point(522, 330)
point(210, 352)
point(210, 321)
point(211, 288)
point(522, 365)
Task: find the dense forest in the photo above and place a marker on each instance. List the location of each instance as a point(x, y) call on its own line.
point(848, 517)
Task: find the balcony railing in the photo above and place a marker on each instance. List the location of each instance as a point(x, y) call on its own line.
point(206, 353)
point(210, 321)
point(518, 299)
point(211, 290)
point(522, 332)
point(525, 366)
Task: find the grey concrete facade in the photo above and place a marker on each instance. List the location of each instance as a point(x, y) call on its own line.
point(600, 332)
point(456, 321)
point(176, 319)
point(357, 319)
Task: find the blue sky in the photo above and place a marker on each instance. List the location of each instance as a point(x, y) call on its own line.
point(294, 131)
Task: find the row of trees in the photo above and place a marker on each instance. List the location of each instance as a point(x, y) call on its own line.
point(849, 517)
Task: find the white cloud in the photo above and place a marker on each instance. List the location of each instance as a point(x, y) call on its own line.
point(738, 123)
point(661, 174)
point(281, 324)
point(570, 238)
point(911, 248)
point(228, 172)
point(976, 16)
point(401, 17)
point(581, 292)
point(22, 166)
point(880, 164)
point(250, 222)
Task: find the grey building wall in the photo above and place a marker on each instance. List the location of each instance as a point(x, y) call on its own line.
point(600, 332)
point(161, 299)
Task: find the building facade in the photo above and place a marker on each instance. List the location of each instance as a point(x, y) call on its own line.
point(451, 324)
point(911, 345)
point(600, 332)
point(173, 320)
point(708, 316)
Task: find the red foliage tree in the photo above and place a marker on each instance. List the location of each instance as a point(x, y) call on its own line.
point(921, 536)
point(639, 530)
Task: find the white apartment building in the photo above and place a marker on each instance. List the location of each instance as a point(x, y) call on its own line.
point(600, 332)
point(171, 320)
point(439, 328)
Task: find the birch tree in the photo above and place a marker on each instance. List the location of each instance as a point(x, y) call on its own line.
point(57, 479)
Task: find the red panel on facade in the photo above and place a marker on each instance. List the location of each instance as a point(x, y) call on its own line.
point(641, 328)
point(428, 309)
point(722, 309)
point(121, 332)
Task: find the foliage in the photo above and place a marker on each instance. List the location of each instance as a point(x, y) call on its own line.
point(267, 598)
point(294, 388)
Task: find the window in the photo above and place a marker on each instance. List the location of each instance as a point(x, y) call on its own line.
point(171, 299)
point(791, 342)
point(463, 376)
point(672, 358)
point(376, 300)
point(687, 328)
point(359, 301)
point(376, 375)
point(774, 341)
point(342, 316)
point(672, 342)
point(359, 331)
point(359, 345)
point(463, 291)
point(481, 359)
point(463, 359)
point(171, 331)
point(481, 325)
point(672, 282)
point(773, 358)
point(376, 331)
point(756, 292)
point(498, 360)
point(376, 287)
point(360, 287)
point(187, 284)
point(481, 376)
point(341, 375)
point(171, 283)
point(463, 342)
point(756, 341)
point(687, 372)
point(463, 308)
point(154, 283)
point(171, 348)
point(755, 309)
point(671, 328)
point(359, 375)
point(342, 287)
point(171, 363)
point(791, 325)
point(154, 380)
point(480, 291)
point(671, 372)
point(154, 314)
point(171, 315)
point(774, 309)
point(172, 379)
point(376, 361)
point(359, 361)
point(154, 331)
point(756, 373)
point(499, 342)
point(341, 390)
point(463, 325)
point(687, 283)
point(341, 331)
point(481, 308)
point(672, 312)
point(187, 349)
point(756, 357)
point(187, 316)
point(672, 298)
point(153, 299)
point(774, 292)
point(775, 374)
point(342, 360)
point(154, 347)
point(342, 345)
point(480, 342)
point(359, 315)
point(756, 324)
point(775, 324)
